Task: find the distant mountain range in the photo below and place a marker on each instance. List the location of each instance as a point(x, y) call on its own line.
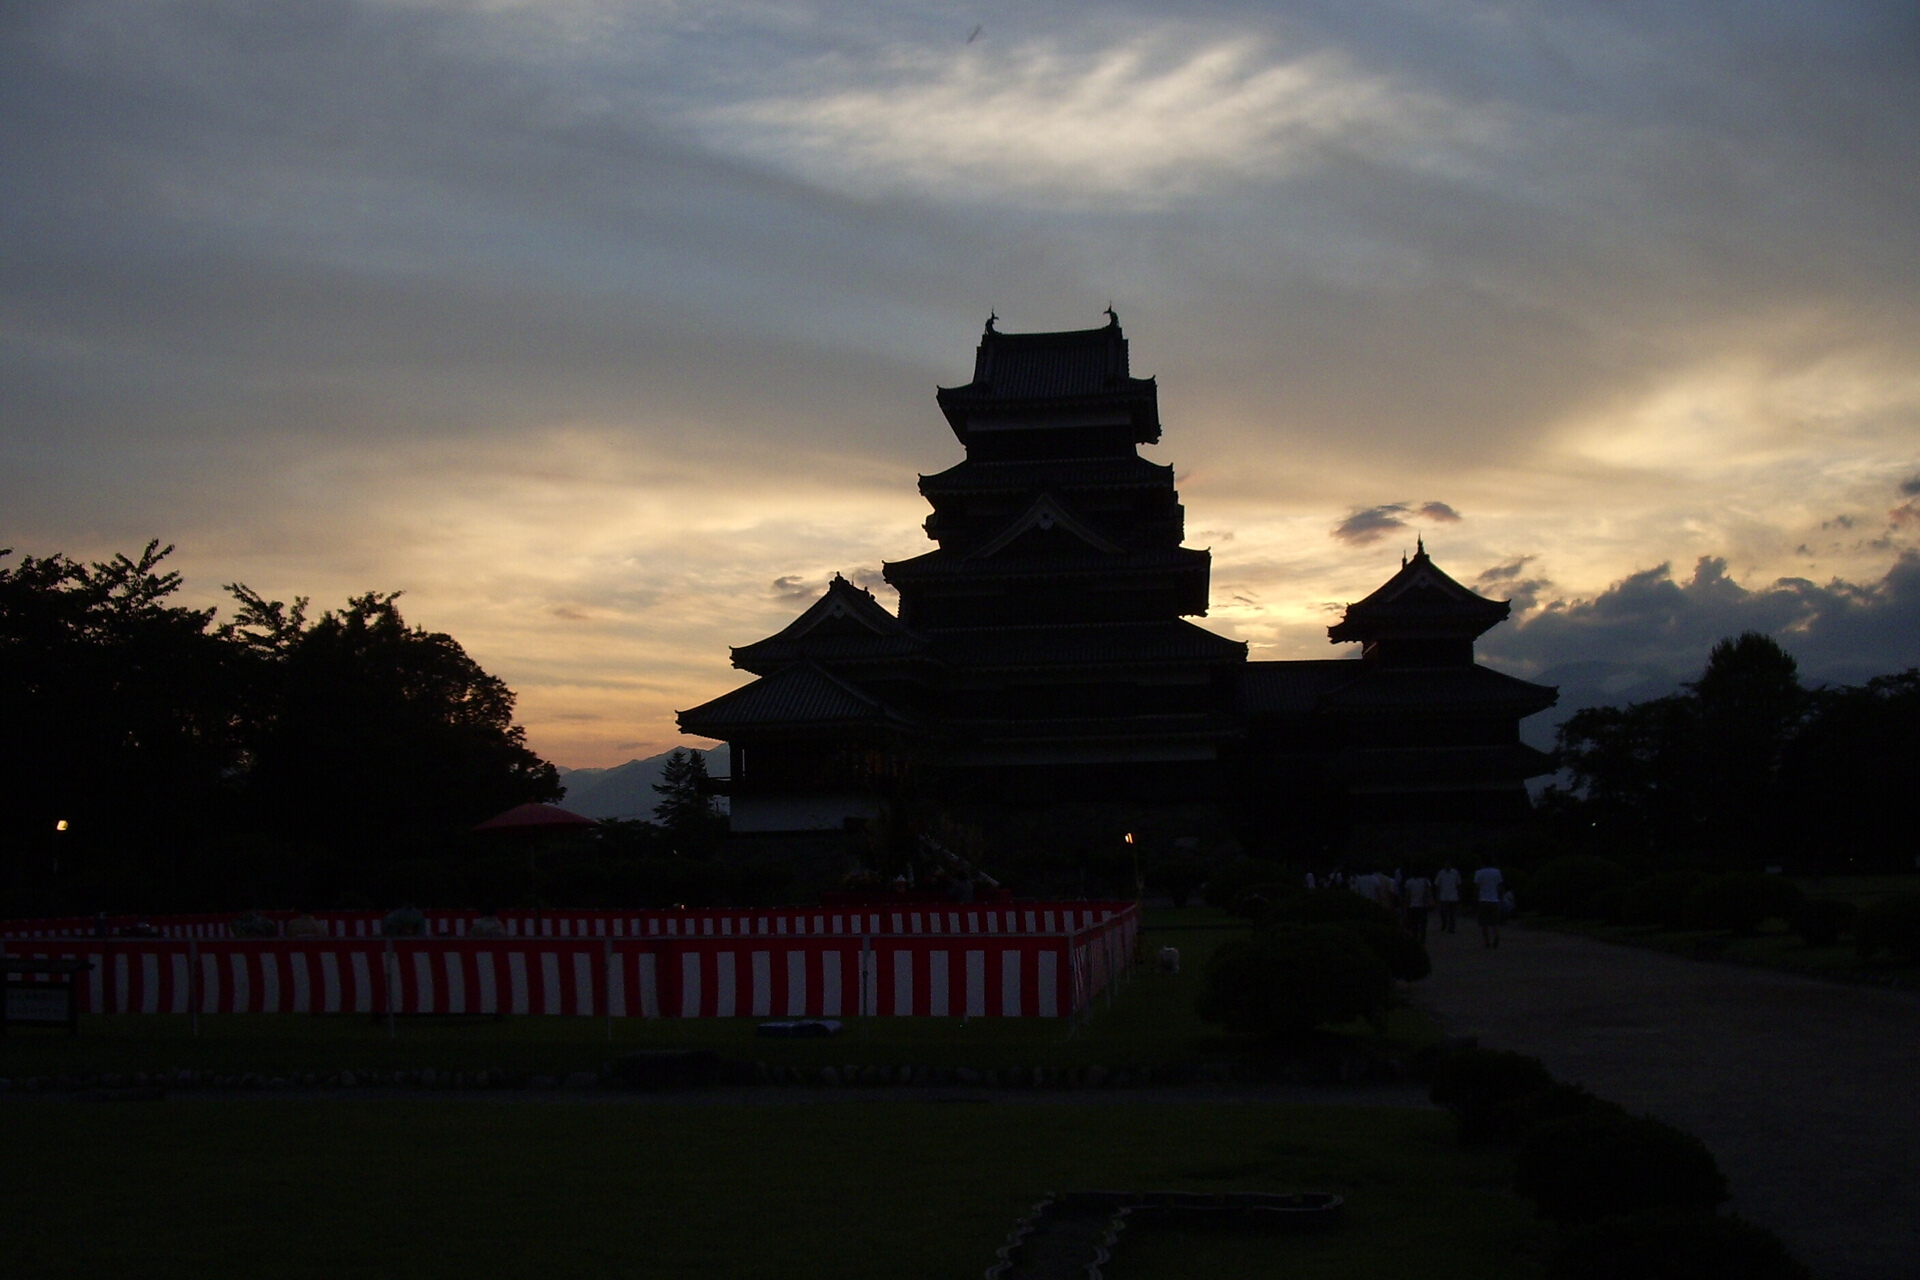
point(1594, 684)
point(626, 790)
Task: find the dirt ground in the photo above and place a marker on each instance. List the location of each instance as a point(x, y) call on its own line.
point(1808, 1092)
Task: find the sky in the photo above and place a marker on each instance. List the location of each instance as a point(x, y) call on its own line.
point(609, 332)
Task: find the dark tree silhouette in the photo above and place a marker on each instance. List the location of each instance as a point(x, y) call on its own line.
point(1745, 768)
point(685, 808)
point(123, 719)
point(1848, 771)
point(1630, 773)
point(198, 765)
point(1749, 704)
point(373, 732)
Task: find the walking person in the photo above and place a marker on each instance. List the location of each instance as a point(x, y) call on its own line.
point(1417, 893)
point(1446, 891)
point(1488, 885)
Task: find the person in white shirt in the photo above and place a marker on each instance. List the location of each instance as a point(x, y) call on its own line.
point(1487, 886)
point(1417, 893)
point(1446, 890)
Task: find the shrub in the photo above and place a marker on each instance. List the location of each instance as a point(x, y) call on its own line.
point(1893, 923)
point(1821, 921)
point(1284, 982)
point(1610, 904)
point(1741, 902)
point(1555, 1102)
point(1568, 886)
point(1233, 885)
point(1322, 906)
point(1602, 1163)
point(1482, 1086)
point(1660, 900)
point(1689, 1246)
point(1399, 950)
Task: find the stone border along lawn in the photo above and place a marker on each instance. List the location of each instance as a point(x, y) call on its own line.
point(847, 1190)
point(1072, 1235)
point(116, 1086)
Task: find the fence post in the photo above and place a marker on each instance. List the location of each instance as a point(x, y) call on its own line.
point(1106, 945)
point(193, 983)
point(866, 977)
point(386, 985)
point(606, 985)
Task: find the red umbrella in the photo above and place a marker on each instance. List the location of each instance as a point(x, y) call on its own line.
point(534, 819)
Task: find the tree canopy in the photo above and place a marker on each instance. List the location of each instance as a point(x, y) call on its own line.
point(201, 764)
point(685, 808)
point(1745, 767)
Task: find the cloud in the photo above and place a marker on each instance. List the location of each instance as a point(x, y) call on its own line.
point(1506, 572)
point(1522, 593)
point(634, 310)
point(793, 589)
point(1146, 120)
point(871, 578)
point(1839, 631)
point(1370, 524)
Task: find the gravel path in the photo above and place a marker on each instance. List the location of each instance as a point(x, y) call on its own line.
point(1808, 1092)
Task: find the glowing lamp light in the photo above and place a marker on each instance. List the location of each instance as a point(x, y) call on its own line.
point(62, 826)
point(1129, 837)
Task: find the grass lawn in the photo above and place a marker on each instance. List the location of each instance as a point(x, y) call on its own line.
point(448, 1188)
point(1150, 1021)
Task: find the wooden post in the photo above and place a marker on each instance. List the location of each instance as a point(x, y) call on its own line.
point(606, 985)
point(866, 961)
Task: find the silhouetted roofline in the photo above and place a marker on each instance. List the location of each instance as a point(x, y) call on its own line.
point(1420, 601)
point(802, 695)
point(1076, 378)
point(841, 599)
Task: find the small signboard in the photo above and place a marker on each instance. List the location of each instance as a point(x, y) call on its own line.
point(41, 993)
point(44, 1004)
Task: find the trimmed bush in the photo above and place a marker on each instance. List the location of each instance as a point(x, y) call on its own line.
point(1660, 900)
point(1399, 950)
point(1821, 921)
point(1555, 1102)
point(1331, 906)
point(1284, 982)
point(1602, 1163)
point(1892, 923)
point(1482, 1088)
point(1610, 904)
point(1742, 902)
point(1236, 885)
point(1691, 1246)
point(1372, 923)
point(1569, 886)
